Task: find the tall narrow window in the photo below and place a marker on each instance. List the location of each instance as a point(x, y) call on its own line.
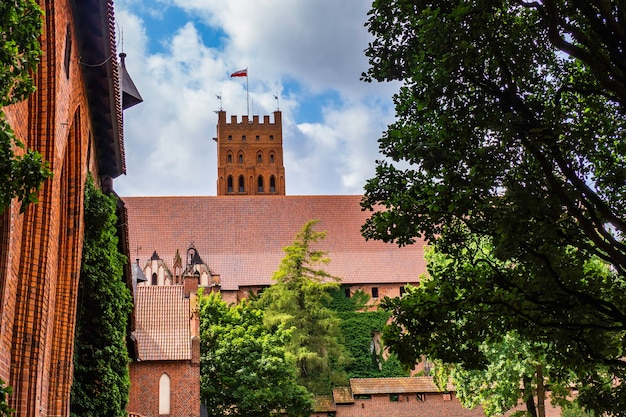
point(68, 51)
point(241, 188)
point(164, 395)
point(229, 158)
point(230, 184)
point(374, 292)
point(243, 137)
point(271, 158)
point(241, 158)
point(260, 182)
point(272, 184)
point(154, 279)
point(259, 157)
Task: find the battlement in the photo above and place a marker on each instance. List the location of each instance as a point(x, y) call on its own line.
point(245, 119)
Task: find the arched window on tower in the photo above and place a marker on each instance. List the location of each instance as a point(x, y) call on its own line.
point(241, 181)
point(229, 158)
point(230, 183)
point(272, 158)
point(272, 184)
point(260, 182)
point(259, 157)
point(240, 158)
point(154, 279)
point(164, 395)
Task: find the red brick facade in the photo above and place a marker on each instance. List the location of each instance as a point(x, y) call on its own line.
point(250, 156)
point(41, 248)
point(184, 387)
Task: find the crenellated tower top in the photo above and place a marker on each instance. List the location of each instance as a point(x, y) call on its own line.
point(250, 155)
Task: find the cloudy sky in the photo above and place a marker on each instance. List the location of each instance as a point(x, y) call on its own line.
point(309, 53)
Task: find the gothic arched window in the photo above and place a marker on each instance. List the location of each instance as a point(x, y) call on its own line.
point(241, 181)
point(229, 184)
point(260, 183)
point(272, 184)
point(164, 395)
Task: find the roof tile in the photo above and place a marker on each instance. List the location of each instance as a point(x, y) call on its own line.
point(242, 238)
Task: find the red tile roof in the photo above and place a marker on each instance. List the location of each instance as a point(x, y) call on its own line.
point(162, 323)
point(393, 385)
point(242, 237)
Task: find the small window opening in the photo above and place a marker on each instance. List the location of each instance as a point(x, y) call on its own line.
point(374, 292)
point(271, 137)
point(260, 183)
point(394, 398)
point(230, 137)
point(421, 396)
point(259, 158)
point(271, 158)
point(272, 184)
point(346, 292)
point(229, 158)
point(230, 184)
point(257, 137)
point(241, 188)
point(241, 158)
point(154, 278)
point(243, 137)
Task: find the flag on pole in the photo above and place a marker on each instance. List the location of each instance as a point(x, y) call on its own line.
point(240, 73)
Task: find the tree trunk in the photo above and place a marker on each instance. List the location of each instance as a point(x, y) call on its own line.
point(541, 393)
point(528, 396)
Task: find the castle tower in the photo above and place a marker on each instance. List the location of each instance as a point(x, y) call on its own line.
point(250, 156)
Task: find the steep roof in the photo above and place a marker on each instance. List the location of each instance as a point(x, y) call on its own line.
point(242, 237)
point(162, 323)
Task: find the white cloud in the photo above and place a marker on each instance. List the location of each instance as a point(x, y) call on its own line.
point(316, 44)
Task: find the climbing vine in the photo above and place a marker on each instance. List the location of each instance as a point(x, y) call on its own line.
point(358, 329)
point(101, 378)
point(21, 24)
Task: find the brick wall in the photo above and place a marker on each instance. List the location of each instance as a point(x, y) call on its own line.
point(408, 405)
point(40, 261)
point(260, 147)
point(184, 388)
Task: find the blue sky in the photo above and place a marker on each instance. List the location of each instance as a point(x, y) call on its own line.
point(180, 54)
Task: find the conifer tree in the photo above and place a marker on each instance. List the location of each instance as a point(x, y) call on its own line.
point(298, 301)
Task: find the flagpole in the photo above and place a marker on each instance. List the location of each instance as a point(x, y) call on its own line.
point(247, 93)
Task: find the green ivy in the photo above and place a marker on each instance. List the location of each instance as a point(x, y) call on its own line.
point(5, 410)
point(21, 24)
point(357, 329)
point(101, 377)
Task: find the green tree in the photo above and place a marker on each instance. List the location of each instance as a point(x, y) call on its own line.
point(101, 377)
point(510, 124)
point(20, 25)
point(243, 370)
point(297, 301)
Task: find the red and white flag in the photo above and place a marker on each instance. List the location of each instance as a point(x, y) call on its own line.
point(240, 73)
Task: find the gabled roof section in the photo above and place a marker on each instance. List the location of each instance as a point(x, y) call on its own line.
point(242, 239)
point(162, 323)
point(412, 385)
point(95, 24)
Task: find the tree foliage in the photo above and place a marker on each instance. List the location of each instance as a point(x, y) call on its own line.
point(101, 383)
point(20, 26)
point(5, 410)
point(510, 126)
point(359, 328)
point(297, 301)
point(243, 369)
